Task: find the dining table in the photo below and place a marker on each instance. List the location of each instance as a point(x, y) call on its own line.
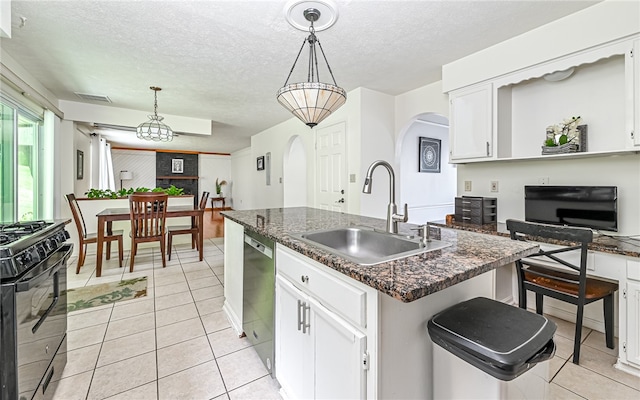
point(107, 216)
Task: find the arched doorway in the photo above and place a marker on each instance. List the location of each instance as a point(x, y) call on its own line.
point(294, 174)
point(430, 195)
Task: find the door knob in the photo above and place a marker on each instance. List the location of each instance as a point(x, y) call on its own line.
point(340, 201)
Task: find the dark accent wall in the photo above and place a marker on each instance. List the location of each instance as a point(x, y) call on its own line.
point(186, 180)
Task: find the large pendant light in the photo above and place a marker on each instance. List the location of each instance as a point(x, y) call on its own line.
point(311, 101)
point(154, 129)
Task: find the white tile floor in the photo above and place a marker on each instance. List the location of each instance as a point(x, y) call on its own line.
point(176, 343)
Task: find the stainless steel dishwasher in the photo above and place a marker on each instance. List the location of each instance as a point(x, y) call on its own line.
point(258, 296)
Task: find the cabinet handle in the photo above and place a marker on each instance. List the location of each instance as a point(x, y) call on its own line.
point(487, 148)
point(304, 278)
point(300, 322)
point(305, 322)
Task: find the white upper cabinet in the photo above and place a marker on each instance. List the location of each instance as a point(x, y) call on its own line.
point(506, 118)
point(471, 123)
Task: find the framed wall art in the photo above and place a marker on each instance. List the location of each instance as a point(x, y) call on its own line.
point(260, 163)
point(177, 166)
point(79, 165)
point(429, 155)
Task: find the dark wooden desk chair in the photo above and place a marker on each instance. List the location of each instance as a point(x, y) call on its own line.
point(573, 286)
point(88, 238)
point(148, 214)
point(187, 229)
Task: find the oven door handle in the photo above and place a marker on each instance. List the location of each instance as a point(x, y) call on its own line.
point(56, 261)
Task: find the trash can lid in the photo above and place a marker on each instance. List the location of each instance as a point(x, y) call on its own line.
point(496, 337)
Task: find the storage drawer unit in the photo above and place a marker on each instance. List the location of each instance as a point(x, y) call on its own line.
point(476, 210)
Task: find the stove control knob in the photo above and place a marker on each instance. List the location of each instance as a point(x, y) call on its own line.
point(26, 258)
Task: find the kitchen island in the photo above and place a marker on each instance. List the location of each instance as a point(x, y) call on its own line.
point(367, 324)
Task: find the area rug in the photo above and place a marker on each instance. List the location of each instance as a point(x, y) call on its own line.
point(105, 293)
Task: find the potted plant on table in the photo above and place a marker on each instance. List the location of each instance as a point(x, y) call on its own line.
point(219, 187)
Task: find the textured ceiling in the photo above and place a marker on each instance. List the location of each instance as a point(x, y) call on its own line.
point(224, 60)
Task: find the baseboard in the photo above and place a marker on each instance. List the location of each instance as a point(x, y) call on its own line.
point(235, 322)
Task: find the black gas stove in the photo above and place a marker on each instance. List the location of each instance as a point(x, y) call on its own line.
point(25, 244)
point(33, 308)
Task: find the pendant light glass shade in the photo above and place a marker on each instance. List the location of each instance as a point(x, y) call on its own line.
point(154, 129)
point(311, 101)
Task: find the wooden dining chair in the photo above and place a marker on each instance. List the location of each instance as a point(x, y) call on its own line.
point(187, 229)
point(148, 212)
point(543, 274)
point(88, 238)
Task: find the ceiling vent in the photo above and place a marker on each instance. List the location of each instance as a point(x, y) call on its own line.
point(93, 97)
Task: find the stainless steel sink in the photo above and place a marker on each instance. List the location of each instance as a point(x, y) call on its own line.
point(366, 246)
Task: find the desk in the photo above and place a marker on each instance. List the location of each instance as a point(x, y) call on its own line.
point(108, 215)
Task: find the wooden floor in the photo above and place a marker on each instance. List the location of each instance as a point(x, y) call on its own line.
point(213, 224)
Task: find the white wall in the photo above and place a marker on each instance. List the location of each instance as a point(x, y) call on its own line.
point(429, 98)
point(142, 164)
point(82, 142)
point(429, 195)
point(295, 174)
point(242, 167)
point(212, 167)
point(377, 142)
point(275, 140)
point(620, 171)
point(605, 21)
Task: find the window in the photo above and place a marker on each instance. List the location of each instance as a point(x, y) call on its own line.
point(21, 180)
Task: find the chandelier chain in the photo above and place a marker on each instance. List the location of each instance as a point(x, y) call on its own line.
point(155, 103)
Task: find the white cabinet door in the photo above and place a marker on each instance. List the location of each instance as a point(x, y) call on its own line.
point(633, 322)
point(471, 123)
point(294, 349)
point(340, 351)
point(233, 272)
point(319, 355)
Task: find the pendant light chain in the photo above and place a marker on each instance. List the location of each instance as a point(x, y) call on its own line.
point(155, 102)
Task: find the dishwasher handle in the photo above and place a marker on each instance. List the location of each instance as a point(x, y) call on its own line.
point(265, 250)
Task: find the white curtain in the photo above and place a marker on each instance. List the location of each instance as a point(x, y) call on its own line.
point(106, 178)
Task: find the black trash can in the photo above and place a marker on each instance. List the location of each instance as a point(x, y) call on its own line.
point(494, 344)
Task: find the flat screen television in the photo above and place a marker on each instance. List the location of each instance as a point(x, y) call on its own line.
point(592, 207)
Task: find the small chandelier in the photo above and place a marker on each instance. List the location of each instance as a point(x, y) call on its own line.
point(154, 129)
point(311, 101)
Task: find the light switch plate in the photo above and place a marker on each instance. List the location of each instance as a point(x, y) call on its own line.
point(352, 178)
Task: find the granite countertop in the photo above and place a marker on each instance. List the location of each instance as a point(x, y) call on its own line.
point(623, 246)
point(407, 279)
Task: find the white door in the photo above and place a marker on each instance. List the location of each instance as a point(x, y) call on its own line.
point(339, 351)
point(294, 349)
point(331, 175)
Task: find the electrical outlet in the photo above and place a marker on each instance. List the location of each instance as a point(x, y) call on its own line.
point(543, 181)
point(494, 186)
point(467, 186)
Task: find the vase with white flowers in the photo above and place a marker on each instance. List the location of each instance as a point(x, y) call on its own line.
point(567, 136)
point(219, 187)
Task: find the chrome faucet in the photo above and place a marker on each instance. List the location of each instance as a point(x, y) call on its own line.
point(392, 210)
